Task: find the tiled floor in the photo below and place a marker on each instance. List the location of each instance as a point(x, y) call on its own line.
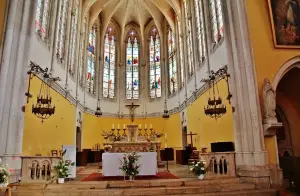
point(181, 171)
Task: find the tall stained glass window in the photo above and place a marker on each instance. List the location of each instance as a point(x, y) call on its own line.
point(154, 62)
point(172, 62)
point(61, 29)
point(82, 52)
point(42, 18)
point(181, 56)
point(200, 29)
point(73, 35)
point(91, 62)
point(109, 63)
point(189, 41)
point(132, 66)
point(217, 24)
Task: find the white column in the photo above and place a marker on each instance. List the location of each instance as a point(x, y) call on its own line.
point(249, 140)
point(12, 83)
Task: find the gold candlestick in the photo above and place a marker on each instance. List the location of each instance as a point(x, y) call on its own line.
point(140, 131)
point(118, 134)
point(146, 134)
point(124, 133)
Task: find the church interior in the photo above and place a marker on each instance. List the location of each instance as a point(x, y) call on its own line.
point(179, 82)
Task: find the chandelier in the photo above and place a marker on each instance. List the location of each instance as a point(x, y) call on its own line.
point(98, 112)
point(43, 108)
point(215, 107)
point(166, 111)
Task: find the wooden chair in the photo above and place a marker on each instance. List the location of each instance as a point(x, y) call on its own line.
point(54, 153)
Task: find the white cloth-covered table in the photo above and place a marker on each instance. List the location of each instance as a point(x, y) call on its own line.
point(111, 162)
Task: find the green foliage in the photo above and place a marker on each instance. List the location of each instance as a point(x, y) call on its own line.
point(198, 167)
point(4, 174)
point(63, 168)
point(130, 164)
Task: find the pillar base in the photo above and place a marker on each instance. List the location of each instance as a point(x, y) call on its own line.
point(14, 163)
point(259, 158)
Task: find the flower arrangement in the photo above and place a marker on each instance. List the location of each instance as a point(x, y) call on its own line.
point(198, 168)
point(4, 175)
point(130, 164)
point(107, 147)
point(63, 168)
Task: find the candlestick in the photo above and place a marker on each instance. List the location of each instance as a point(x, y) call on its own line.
point(124, 133)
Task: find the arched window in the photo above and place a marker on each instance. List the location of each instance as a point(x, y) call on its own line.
point(42, 18)
point(181, 56)
point(216, 12)
point(82, 52)
point(132, 66)
point(189, 40)
point(61, 29)
point(109, 63)
point(154, 62)
point(172, 62)
point(73, 35)
point(91, 66)
point(199, 12)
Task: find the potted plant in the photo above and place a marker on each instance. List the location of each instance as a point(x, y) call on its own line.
point(4, 175)
point(199, 169)
point(130, 165)
point(63, 170)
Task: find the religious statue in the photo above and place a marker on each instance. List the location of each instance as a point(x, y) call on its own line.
point(269, 97)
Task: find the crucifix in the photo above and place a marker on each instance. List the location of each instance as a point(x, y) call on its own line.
point(132, 107)
point(191, 134)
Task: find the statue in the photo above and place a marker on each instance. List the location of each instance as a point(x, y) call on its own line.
point(269, 97)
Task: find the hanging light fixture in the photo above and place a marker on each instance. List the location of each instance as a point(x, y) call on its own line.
point(166, 111)
point(98, 112)
point(43, 108)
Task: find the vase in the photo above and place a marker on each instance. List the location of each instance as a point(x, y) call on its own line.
point(3, 185)
point(131, 178)
point(60, 180)
point(201, 177)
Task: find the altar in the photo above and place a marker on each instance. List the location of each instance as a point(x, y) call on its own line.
point(111, 163)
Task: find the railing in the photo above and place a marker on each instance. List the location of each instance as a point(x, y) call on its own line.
point(219, 164)
point(38, 168)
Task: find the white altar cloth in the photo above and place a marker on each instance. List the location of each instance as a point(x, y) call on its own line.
point(111, 162)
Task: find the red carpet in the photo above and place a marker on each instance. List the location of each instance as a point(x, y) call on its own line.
point(100, 177)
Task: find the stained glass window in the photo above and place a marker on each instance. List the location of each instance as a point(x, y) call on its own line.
point(154, 62)
point(132, 66)
point(216, 20)
point(181, 56)
point(109, 63)
point(42, 18)
point(172, 62)
point(189, 41)
point(200, 29)
point(82, 52)
point(91, 66)
point(61, 29)
point(73, 34)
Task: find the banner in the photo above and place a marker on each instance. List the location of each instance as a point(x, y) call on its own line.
point(70, 155)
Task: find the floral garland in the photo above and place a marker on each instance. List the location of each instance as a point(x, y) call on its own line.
point(130, 164)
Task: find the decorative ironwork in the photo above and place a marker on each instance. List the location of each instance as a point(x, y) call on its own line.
point(166, 113)
point(215, 108)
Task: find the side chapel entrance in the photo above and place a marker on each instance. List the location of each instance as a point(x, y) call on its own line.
point(288, 112)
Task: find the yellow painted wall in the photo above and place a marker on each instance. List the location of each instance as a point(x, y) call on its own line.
point(210, 130)
point(268, 60)
point(2, 19)
point(59, 129)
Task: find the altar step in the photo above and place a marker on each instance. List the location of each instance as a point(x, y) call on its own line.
point(176, 187)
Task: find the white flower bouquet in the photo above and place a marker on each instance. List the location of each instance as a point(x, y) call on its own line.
point(198, 168)
point(4, 175)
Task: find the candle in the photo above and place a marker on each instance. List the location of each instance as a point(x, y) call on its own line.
point(140, 126)
point(118, 126)
point(145, 126)
point(113, 126)
point(150, 126)
point(124, 127)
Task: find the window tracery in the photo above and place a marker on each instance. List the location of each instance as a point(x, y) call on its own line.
point(82, 52)
point(217, 24)
point(42, 18)
point(61, 29)
point(132, 66)
point(199, 12)
point(189, 41)
point(154, 62)
point(73, 35)
point(109, 63)
point(181, 55)
point(172, 62)
point(91, 63)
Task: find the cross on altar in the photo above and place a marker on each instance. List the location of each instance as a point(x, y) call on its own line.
point(191, 134)
point(132, 107)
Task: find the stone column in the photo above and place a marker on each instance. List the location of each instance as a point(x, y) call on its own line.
point(251, 157)
point(13, 85)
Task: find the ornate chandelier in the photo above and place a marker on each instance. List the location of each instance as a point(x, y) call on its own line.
point(98, 112)
point(43, 108)
point(215, 107)
point(166, 111)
